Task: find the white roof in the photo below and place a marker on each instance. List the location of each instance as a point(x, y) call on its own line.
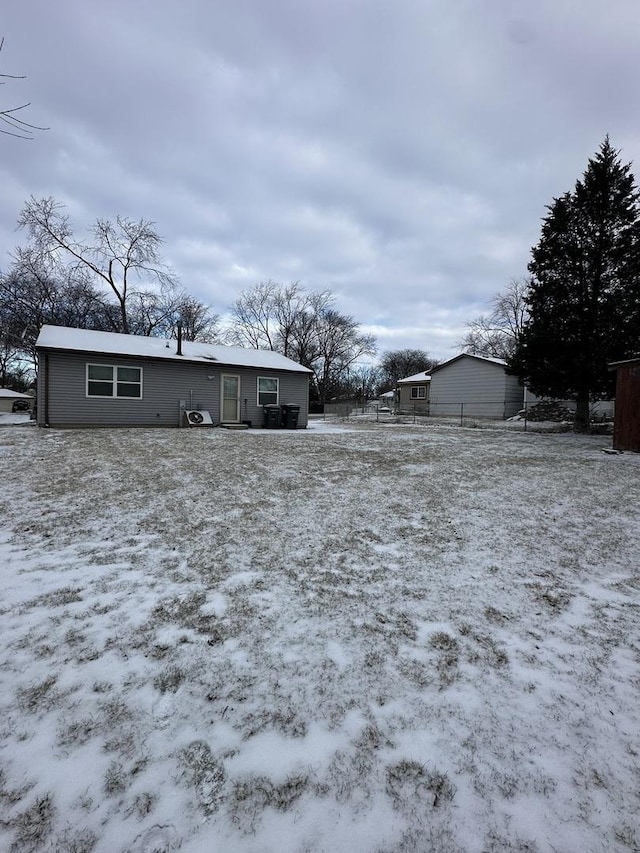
point(487, 358)
point(112, 343)
point(417, 377)
point(14, 395)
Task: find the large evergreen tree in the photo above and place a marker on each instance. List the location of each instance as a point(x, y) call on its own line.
point(584, 293)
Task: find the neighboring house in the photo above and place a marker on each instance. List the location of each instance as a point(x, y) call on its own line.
point(413, 393)
point(88, 378)
point(387, 399)
point(626, 424)
point(474, 386)
point(8, 398)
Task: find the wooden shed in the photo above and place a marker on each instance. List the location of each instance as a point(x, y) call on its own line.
point(626, 423)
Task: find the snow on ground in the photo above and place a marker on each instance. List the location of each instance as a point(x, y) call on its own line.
point(15, 419)
point(379, 639)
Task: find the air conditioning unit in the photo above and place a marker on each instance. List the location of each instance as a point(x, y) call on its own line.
point(198, 417)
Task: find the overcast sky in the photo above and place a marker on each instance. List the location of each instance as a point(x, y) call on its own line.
point(397, 152)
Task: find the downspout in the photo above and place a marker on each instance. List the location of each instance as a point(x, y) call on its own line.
point(46, 389)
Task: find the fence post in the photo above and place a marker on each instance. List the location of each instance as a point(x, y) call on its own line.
point(525, 417)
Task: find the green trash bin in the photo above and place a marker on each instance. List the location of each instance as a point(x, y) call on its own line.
point(271, 417)
point(290, 416)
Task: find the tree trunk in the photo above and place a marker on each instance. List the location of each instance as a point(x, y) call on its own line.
point(124, 319)
point(582, 420)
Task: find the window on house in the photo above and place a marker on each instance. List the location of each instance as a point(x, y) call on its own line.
point(267, 391)
point(108, 380)
point(418, 392)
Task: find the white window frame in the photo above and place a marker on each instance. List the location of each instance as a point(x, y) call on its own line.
point(114, 381)
point(277, 391)
point(421, 392)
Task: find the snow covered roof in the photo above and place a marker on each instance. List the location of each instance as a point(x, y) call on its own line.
point(417, 377)
point(633, 360)
point(112, 343)
point(14, 395)
point(499, 361)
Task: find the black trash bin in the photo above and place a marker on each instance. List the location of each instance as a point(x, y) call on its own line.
point(290, 416)
point(271, 417)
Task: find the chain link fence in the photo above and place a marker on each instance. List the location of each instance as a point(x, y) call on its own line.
point(457, 414)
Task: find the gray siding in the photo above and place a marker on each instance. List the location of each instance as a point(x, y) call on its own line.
point(418, 404)
point(294, 389)
point(480, 388)
point(513, 396)
point(62, 395)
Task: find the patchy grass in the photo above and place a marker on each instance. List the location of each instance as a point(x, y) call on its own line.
point(386, 639)
point(32, 827)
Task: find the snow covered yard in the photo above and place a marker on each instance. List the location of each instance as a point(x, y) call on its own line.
point(369, 638)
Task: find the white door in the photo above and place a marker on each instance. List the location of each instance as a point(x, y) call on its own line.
point(230, 399)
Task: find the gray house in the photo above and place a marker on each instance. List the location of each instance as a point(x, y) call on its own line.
point(413, 393)
point(476, 387)
point(88, 378)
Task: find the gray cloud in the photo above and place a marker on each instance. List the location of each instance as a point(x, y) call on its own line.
point(399, 154)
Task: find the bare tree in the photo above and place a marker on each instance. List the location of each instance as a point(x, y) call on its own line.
point(496, 334)
point(254, 322)
point(158, 313)
point(277, 317)
point(304, 326)
point(398, 364)
point(339, 346)
point(17, 126)
point(120, 253)
point(365, 381)
point(199, 323)
point(10, 343)
point(31, 297)
point(304, 344)
point(295, 311)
